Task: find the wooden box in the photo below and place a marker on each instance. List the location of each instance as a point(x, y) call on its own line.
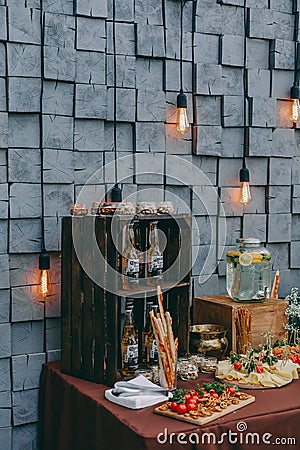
point(221, 310)
point(92, 290)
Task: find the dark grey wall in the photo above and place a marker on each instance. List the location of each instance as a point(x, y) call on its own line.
point(56, 78)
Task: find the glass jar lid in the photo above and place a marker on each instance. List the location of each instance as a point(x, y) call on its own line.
point(248, 241)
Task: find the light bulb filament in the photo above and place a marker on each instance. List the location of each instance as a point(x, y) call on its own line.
point(182, 121)
point(246, 197)
point(45, 283)
point(295, 110)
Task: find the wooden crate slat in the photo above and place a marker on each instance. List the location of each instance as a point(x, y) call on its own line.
point(100, 309)
point(88, 313)
point(184, 319)
point(66, 295)
point(112, 313)
point(76, 286)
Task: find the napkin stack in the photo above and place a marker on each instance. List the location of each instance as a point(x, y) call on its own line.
point(136, 393)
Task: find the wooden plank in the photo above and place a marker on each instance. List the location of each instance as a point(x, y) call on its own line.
point(185, 251)
point(184, 319)
point(100, 308)
point(77, 298)
point(112, 314)
point(204, 420)
point(66, 295)
point(88, 316)
point(173, 307)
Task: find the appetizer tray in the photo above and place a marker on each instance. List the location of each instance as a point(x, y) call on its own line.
point(204, 420)
point(248, 385)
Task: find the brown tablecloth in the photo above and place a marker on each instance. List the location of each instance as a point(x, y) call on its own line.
point(74, 415)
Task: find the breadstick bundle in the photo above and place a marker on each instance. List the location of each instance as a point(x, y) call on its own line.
point(274, 292)
point(166, 344)
point(243, 323)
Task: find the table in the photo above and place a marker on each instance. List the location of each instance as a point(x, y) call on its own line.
point(74, 415)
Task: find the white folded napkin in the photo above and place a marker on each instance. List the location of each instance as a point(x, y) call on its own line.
point(135, 398)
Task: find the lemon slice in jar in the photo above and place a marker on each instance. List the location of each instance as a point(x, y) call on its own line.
point(245, 259)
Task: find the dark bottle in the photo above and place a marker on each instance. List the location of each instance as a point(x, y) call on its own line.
point(152, 351)
point(145, 332)
point(130, 261)
point(130, 348)
point(149, 344)
point(155, 259)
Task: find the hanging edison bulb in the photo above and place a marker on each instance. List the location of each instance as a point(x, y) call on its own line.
point(295, 97)
point(45, 287)
point(296, 110)
point(245, 197)
point(182, 122)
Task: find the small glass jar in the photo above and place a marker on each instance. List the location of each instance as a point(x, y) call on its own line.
point(155, 374)
point(146, 208)
point(209, 364)
point(147, 373)
point(248, 271)
point(164, 208)
point(107, 208)
point(94, 208)
point(187, 369)
point(196, 358)
point(78, 209)
point(126, 208)
point(243, 342)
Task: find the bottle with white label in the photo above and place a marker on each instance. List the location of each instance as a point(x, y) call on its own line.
point(130, 348)
point(145, 333)
point(152, 351)
point(155, 260)
point(130, 261)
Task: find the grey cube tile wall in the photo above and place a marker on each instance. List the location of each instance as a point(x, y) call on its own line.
point(56, 90)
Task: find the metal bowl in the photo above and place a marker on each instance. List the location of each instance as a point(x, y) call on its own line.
point(208, 340)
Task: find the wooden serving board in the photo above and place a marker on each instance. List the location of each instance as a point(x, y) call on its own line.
point(204, 420)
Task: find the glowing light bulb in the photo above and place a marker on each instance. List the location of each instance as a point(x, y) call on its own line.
point(295, 110)
point(246, 197)
point(45, 287)
point(182, 122)
point(295, 97)
point(45, 284)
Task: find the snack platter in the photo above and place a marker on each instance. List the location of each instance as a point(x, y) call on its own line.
point(208, 408)
point(256, 370)
point(248, 385)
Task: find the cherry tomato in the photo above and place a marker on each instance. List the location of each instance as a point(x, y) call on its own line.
point(187, 396)
point(237, 365)
point(259, 368)
point(295, 358)
point(174, 406)
point(181, 408)
point(214, 394)
point(191, 406)
point(190, 401)
point(231, 390)
point(196, 398)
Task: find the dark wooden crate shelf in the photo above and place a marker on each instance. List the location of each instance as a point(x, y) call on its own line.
point(91, 312)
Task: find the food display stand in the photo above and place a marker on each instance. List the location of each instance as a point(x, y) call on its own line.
point(91, 314)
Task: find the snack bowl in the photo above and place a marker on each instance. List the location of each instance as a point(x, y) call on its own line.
point(208, 340)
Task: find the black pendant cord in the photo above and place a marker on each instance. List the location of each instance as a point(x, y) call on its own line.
point(181, 45)
point(41, 138)
point(115, 92)
point(297, 64)
point(297, 50)
point(245, 143)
